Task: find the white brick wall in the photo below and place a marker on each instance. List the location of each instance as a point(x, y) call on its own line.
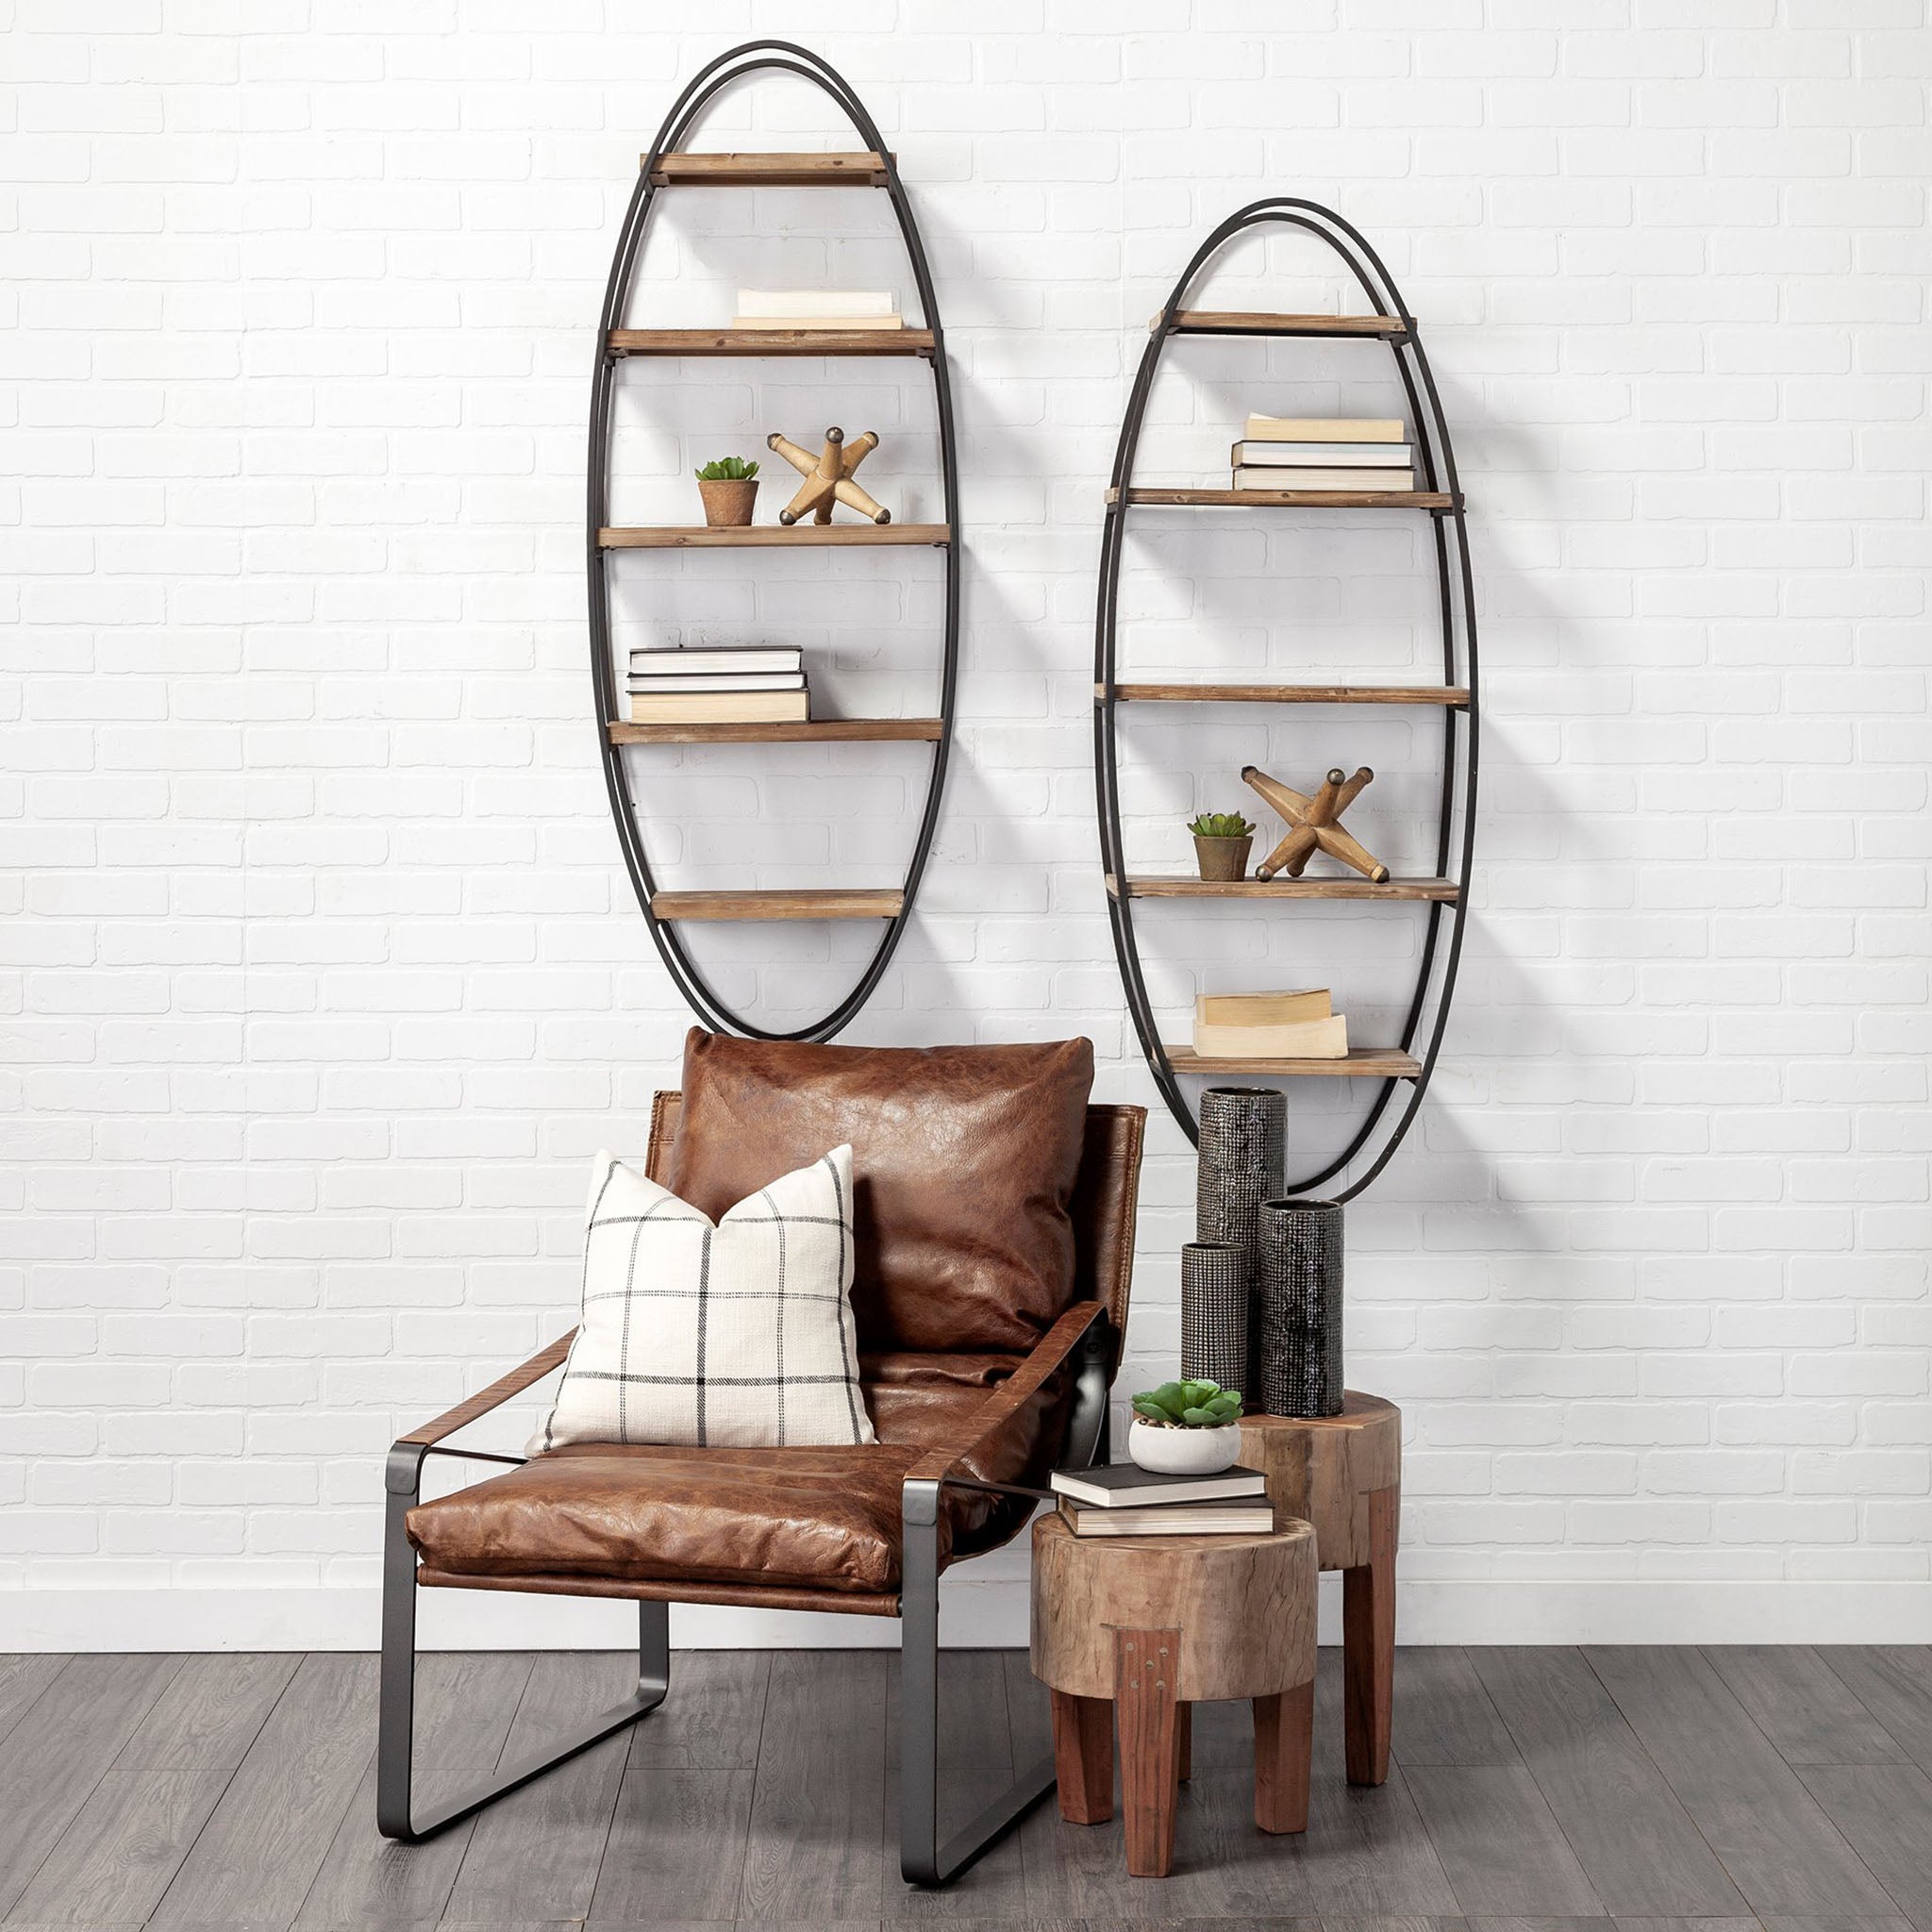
point(320, 979)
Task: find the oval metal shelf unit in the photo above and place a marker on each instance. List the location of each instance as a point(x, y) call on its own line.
point(1411, 1061)
point(669, 165)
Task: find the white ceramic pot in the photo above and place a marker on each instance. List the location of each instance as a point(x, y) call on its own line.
point(1184, 1452)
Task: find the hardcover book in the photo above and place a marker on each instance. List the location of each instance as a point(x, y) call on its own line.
point(1326, 429)
point(722, 708)
point(1290, 455)
point(1171, 1519)
point(1250, 477)
point(1114, 1484)
point(1308, 1039)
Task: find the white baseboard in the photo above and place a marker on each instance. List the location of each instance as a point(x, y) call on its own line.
point(992, 1612)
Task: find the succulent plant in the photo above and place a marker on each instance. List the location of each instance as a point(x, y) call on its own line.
point(1220, 825)
point(1189, 1405)
point(727, 469)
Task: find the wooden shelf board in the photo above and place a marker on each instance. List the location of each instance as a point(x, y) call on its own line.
point(832, 904)
point(814, 731)
point(764, 536)
point(1181, 887)
point(1360, 1063)
point(770, 341)
point(1454, 695)
point(792, 169)
point(1291, 499)
point(1246, 322)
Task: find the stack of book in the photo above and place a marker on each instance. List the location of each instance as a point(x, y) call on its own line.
point(1324, 452)
point(773, 308)
point(727, 684)
point(1269, 1027)
point(1124, 1499)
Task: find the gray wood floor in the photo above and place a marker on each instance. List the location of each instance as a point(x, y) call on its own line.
point(1784, 1788)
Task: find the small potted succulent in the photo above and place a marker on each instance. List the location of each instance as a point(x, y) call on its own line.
point(1186, 1429)
point(1222, 840)
point(729, 486)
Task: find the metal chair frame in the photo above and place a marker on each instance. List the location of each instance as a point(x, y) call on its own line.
point(923, 1861)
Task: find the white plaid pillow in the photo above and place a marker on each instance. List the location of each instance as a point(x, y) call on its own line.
point(737, 1336)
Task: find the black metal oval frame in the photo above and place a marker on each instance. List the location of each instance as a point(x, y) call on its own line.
point(1460, 743)
point(757, 57)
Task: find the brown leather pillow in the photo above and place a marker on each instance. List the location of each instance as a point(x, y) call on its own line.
point(963, 1161)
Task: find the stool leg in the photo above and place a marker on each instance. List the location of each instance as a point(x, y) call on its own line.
point(1145, 1665)
point(1368, 1641)
point(1083, 1758)
point(1284, 1745)
point(1184, 1740)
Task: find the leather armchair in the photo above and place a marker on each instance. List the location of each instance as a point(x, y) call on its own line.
point(966, 1442)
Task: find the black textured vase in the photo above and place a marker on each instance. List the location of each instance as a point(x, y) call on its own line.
point(1243, 1150)
point(1214, 1313)
point(1299, 1350)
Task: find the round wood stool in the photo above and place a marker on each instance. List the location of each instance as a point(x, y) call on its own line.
point(1343, 1474)
point(1150, 1625)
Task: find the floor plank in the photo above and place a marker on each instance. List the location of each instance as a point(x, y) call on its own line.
point(535, 1854)
point(210, 1713)
point(23, 1678)
point(1504, 1852)
point(60, 1749)
point(1885, 1811)
point(713, 1715)
point(976, 1764)
point(120, 1854)
point(259, 1853)
point(1365, 1854)
point(1781, 1851)
point(1443, 1714)
point(1806, 1710)
point(1894, 1683)
point(677, 1848)
point(819, 1808)
point(1637, 1844)
point(464, 1708)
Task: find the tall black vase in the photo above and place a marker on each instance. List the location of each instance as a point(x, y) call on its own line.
point(1214, 1312)
point(1242, 1155)
point(1299, 1345)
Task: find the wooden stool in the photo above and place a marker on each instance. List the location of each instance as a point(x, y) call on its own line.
point(1343, 1474)
point(1152, 1624)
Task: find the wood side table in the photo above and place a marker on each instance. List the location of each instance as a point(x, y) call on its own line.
point(1344, 1474)
point(1138, 1629)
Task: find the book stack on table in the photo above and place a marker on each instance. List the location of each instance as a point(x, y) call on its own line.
point(811, 309)
point(1124, 1499)
point(1324, 452)
point(727, 684)
point(1269, 1027)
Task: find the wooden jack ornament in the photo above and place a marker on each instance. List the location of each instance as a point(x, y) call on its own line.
point(1314, 825)
point(828, 477)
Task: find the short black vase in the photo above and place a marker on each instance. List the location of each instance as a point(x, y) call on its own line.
point(1242, 1155)
point(1298, 1352)
point(1214, 1312)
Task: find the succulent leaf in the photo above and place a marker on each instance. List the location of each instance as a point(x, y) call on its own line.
point(1220, 825)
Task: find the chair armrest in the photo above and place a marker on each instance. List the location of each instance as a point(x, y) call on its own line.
point(1080, 1322)
point(494, 1396)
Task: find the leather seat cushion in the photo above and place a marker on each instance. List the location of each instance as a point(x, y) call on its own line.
point(965, 1163)
point(822, 1519)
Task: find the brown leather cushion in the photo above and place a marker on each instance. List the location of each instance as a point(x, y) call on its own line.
point(813, 1518)
point(964, 1162)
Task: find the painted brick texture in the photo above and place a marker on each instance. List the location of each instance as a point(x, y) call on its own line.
point(320, 979)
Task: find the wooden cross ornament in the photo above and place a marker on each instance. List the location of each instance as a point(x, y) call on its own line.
point(828, 477)
point(1314, 825)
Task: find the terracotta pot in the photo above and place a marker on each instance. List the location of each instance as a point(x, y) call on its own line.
point(1223, 860)
point(728, 502)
